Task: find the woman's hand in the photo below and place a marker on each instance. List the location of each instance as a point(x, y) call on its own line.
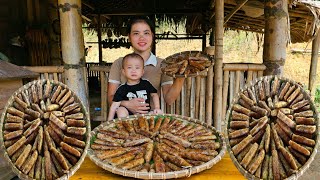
point(157, 111)
point(136, 105)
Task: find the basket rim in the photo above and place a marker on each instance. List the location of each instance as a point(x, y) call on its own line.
point(188, 52)
point(74, 168)
point(305, 166)
point(150, 175)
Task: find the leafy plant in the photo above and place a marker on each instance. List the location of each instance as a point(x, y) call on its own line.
point(317, 98)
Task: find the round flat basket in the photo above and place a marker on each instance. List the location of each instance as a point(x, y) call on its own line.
point(152, 147)
point(44, 131)
point(272, 128)
point(186, 64)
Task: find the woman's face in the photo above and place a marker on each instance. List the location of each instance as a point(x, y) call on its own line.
point(141, 37)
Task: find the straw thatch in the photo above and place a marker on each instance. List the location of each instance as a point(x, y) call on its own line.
point(198, 16)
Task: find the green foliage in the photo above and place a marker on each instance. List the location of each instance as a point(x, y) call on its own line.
point(317, 98)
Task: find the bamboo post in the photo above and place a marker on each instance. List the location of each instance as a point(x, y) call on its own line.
point(73, 48)
point(276, 36)
point(242, 81)
point(178, 105)
point(209, 92)
point(231, 91)
point(225, 95)
point(198, 84)
point(237, 83)
point(202, 110)
point(104, 101)
point(183, 98)
point(192, 99)
point(313, 64)
point(249, 77)
point(187, 97)
point(218, 72)
point(254, 75)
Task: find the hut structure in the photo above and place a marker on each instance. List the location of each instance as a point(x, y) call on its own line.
point(46, 33)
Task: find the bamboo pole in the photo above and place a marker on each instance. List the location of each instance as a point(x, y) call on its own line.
point(104, 92)
point(183, 98)
point(43, 69)
point(187, 97)
point(237, 83)
point(313, 65)
point(218, 72)
point(192, 99)
point(254, 75)
point(231, 91)
point(242, 81)
point(198, 84)
point(202, 108)
point(209, 95)
point(243, 67)
point(276, 36)
point(178, 105)
point(225, 95)
point(249, 77)
point(243, 2)
point(72, 43)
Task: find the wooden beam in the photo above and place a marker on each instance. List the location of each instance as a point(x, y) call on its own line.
point(88, 5)
point(226, 19)
point(313, 65)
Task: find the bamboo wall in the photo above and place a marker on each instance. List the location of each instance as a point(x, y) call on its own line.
point(192, 101)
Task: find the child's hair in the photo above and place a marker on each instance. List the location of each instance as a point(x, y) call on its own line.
point(131, 55)
point(139, 19)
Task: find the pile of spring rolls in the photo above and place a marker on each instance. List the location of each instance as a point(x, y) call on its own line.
point(44, 130)
point(155, 144)
point(272, 128)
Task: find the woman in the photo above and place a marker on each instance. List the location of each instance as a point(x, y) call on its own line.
point(141, 36)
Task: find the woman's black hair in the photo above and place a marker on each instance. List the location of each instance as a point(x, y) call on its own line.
point(138, 19)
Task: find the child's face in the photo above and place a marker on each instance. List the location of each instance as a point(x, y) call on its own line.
point(133, 68)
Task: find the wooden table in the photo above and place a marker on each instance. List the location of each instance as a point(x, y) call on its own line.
point(224, 169)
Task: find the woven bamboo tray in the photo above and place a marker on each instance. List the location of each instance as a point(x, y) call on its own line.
point(186, 54)
point(86, 137)
point(299, 172)
point(151, 175)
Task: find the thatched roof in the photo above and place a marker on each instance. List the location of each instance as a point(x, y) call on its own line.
point(199, 15)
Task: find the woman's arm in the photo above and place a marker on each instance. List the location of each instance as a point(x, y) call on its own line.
point(113, 109)
point(172, 91)
point(156, 102)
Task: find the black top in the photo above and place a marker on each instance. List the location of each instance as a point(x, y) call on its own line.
point(140, 90)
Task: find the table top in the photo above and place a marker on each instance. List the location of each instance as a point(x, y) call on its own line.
point(224, 169)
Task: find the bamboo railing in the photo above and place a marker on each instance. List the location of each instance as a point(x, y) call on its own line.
point(48, 72)
point(104, 75)
point(193, 100)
